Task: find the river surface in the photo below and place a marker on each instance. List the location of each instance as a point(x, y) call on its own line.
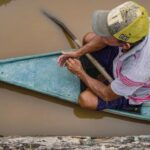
point(25, 31)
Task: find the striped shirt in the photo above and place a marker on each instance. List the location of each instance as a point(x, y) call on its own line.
point(132, 78)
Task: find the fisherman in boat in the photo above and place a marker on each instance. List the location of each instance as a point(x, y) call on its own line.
point(121, 43)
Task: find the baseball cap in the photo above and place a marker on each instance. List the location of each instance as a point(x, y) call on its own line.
point(127, 22)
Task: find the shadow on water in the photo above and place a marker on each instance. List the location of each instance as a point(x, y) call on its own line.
point(99, 115)
point(4, 2)
point(79, 112)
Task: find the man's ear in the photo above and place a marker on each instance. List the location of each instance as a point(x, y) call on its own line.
point(126, 46)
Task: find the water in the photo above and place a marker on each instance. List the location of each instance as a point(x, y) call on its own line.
point(25, 31)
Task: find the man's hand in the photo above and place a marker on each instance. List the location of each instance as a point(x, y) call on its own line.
point(65, 56)
point(74, 66)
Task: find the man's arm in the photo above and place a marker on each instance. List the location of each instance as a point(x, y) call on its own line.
point(97, 87)
point(95, 44)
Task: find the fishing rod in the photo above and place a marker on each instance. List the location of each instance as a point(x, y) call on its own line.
point(97, 65)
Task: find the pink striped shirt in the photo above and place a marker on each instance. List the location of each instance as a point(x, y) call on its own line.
point(124, 84)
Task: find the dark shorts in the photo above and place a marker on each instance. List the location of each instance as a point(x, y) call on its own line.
point(105, 57)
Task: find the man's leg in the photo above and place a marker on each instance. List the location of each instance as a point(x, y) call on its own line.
point(105, 56)
point(88, 100)
point(88, 37)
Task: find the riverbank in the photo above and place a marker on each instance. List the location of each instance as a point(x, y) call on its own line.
point(76, 143)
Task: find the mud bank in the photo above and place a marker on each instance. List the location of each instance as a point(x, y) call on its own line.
point(76, 143)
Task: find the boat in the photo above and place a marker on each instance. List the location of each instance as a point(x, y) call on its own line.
point(42, 74)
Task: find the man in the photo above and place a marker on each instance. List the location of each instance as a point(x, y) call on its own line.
point(121, 43)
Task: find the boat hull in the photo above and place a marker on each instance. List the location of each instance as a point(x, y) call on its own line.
point(42, 74)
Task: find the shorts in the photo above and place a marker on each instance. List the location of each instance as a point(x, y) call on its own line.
point(105, 57)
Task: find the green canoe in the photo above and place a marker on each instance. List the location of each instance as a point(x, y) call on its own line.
point(42, 74)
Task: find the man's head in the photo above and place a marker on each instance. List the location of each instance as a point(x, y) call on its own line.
point(127, 24)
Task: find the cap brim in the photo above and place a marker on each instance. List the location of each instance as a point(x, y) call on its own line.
point(99, 23)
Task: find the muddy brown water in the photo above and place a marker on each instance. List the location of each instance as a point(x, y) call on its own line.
point(25, 31)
